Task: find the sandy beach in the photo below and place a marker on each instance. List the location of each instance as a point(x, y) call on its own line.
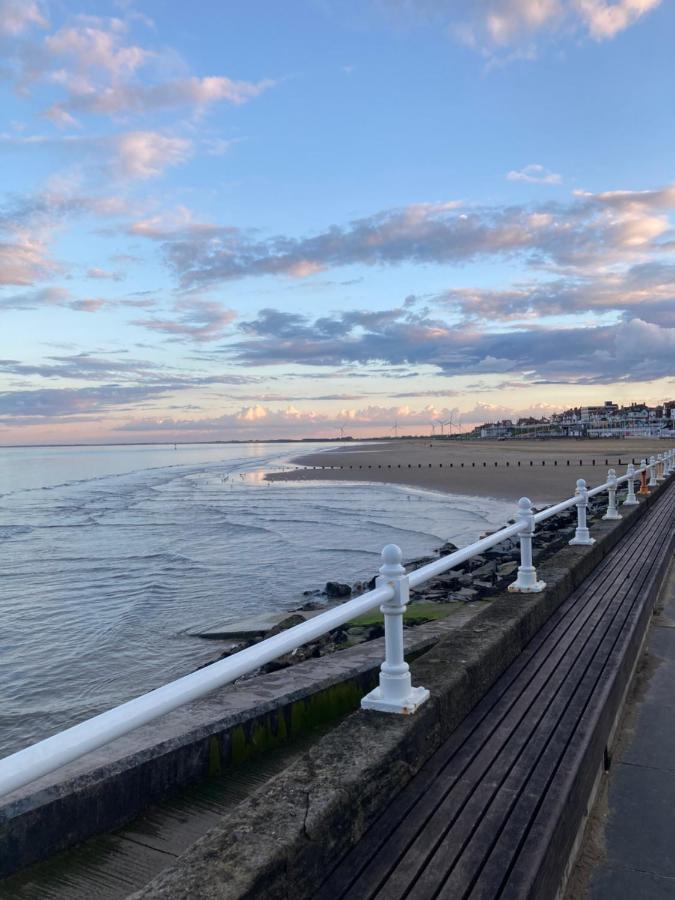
point(545, 471)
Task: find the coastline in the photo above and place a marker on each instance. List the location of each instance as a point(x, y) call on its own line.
point(545, 471)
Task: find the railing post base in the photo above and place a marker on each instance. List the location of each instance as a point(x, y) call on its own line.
point(526, 582)
point(377, 701)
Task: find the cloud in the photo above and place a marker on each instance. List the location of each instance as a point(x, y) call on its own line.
point(605, 20)
point(89, 367)
point(17, 16)
point(101, 71)
point(518, 26)
point(99, 274)
point(95, 43)
point(25, 406)
point(147, 154)
point(25, 260)
point(197, 320)
point(28, 222)
point(534, 174)
point(56, 296)
point(141, 99)
point(646, 290)
point(252, 421)
point(632, 350)
point(588, 231)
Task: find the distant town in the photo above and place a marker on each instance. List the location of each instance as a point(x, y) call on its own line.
point(608, 420)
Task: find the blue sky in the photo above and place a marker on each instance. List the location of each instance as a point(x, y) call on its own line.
point(263, 219)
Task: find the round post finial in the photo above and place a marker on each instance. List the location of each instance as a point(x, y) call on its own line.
point(581, 484)
point(392, 558)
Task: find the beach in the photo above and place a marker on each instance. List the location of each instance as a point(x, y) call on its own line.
point(545, 471)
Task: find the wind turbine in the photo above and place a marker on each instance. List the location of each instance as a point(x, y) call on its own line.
point(450, 423)
point(341, 429)
point(395, 429)
point(433, 429)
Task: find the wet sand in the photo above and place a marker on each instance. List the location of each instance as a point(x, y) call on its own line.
point(545, 471)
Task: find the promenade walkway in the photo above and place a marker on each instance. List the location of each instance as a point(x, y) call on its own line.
point(628, 852)
point(496, 811)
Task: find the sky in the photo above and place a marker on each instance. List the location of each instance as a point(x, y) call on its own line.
point(254, 219)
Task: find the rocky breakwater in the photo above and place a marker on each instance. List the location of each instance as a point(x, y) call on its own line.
point(478, 580)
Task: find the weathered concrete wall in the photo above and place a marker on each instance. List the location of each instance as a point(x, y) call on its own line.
point(111, 786)
point(279, 843)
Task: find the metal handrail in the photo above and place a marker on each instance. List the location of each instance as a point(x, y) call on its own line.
point(394, 693)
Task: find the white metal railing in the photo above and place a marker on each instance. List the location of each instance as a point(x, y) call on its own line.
point(394, 692)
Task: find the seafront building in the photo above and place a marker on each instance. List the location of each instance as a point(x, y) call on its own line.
point(608, 420)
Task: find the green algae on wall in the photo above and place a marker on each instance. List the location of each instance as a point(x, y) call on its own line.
point(251, 739)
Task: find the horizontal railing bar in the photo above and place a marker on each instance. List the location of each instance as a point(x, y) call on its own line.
point(53, 752)
point(554, 510)
point(424, 573)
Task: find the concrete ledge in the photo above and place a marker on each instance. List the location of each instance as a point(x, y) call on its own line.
point(111, 786)
point(281, 841)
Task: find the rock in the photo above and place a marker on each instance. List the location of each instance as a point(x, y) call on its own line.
point(312, 606)
point(506, 569)
point(446, 548)
point(465, 594)
point(375, 631)
point(483, 586)
point(476, 562)
point(335, 589)
point(487, 568)
point(288, 622)
point(314, 593)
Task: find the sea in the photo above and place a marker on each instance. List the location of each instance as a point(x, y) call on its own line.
point(111, 556)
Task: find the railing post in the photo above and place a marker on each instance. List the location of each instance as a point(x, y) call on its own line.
point(612, 511)
point(395, 693)
point(631, 499)
point(644, 487)
point(526, 582)
point(652, 472)
point(660, 468)
point(666, 463)
point(582, 535)
point(669, 462)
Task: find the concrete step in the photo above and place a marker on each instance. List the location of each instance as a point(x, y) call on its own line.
point(115, 865)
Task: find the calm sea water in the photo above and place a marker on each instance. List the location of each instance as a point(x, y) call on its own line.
point(109, 556)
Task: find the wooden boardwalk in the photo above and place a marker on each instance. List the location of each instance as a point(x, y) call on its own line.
point(495, 812)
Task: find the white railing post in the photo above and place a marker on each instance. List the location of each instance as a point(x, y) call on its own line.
point(526, 582)
point(631, 499)
point(666, 463)
point(582, 535)
point(395, 693)
point(669, 462)
point(612, 511)
point(660, 467)
point(644, 487)
point(652, 472)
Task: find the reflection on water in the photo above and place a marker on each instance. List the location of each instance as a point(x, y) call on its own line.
point(110, 555)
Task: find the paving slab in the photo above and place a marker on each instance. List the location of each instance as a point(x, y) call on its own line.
point(642, 821)
point(614, 883)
